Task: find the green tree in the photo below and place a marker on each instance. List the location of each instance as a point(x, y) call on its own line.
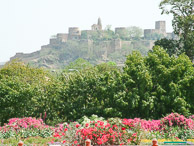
point(26, 92)
point(134, 32)
point(109, 66)
point(183, 22)
point(108, 34)
point(136, 100)
point(88, 92)
point(168, 74)
point(108, 27)
point(77, 65)
point(156, 85)
point(171, 46)
point(149, 87)
point(131, 33)
point(84, 35)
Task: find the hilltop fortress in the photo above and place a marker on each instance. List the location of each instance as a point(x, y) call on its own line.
point(95, 45)
point(75, 34)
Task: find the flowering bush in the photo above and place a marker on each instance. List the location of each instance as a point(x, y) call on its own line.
point(25, 127)
point(113, 131)
point(191, 117)
point(153, 125)
point(99, 132)
point(175, 119)
point(129, 131)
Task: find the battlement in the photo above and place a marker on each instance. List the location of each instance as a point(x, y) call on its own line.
point(160, 30)
point(74, 31)
point(161, 26)
point(62, 37)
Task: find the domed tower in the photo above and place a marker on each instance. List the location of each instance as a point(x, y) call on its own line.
point(99, 24)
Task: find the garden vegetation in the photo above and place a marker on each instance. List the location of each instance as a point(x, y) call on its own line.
point(147, 87)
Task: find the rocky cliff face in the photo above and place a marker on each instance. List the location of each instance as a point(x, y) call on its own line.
point(59, 54)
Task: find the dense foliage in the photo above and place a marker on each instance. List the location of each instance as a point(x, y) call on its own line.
point(26, 91)
point(171, 46)
point(148, 87)
point(183, 23)
point(129, 33)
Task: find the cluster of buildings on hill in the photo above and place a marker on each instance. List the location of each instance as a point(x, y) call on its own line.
point(75, 33)
point(101, 51)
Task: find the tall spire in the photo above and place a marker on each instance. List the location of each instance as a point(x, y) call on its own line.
point(99, 23)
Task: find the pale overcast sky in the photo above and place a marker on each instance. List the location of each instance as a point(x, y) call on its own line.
point(26, 25)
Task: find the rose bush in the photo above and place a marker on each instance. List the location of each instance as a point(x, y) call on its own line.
point(25, 127)
point(113, 131)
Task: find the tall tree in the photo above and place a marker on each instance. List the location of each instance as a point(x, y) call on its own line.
point(183, 22)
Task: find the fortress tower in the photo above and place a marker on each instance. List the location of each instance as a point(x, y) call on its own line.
point(74, 33)
point(160, 29)
point(161, 26)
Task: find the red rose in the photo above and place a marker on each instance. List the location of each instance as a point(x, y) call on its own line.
point(123, 128)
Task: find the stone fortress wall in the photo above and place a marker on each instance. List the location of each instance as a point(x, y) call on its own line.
point(110, 46)
point(75, 34)
point(27, 56)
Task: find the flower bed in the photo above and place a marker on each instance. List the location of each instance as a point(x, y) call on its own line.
point(113, 131)
point(25, 127)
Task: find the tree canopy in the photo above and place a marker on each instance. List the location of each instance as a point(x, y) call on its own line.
point(171, 46)
point(148, 87)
